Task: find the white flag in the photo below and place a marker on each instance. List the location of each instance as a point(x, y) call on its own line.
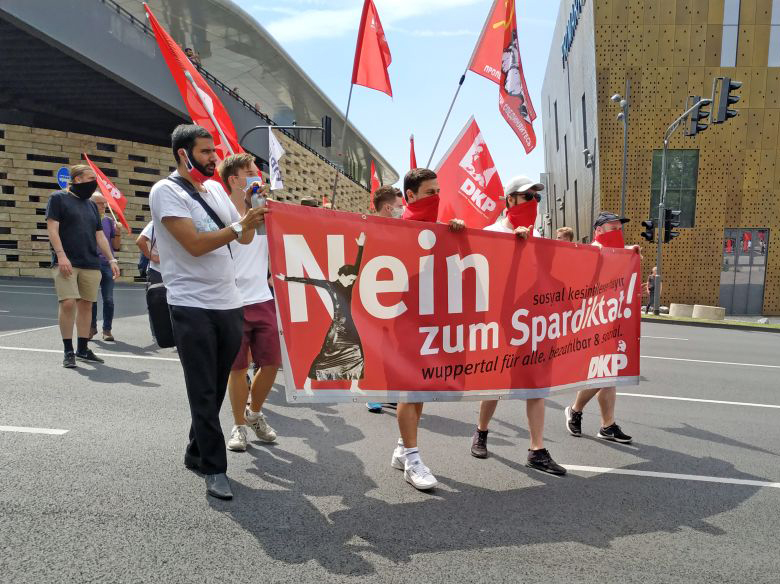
point(275, 152)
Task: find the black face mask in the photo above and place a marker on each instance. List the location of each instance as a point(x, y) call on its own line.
point(84, 190)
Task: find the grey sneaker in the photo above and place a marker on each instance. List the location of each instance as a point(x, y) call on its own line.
point(237, 442)
point(259, 424)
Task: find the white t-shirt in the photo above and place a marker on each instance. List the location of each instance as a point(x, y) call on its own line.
point(208, 281)
point(501, 227)
point(148, 233)
point(252, 270)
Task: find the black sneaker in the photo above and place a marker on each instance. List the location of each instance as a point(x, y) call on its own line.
point(573, 421)
point(613, 433)
point(69, 362)
point(88, 355)
point(541, 460)
point(479, 444)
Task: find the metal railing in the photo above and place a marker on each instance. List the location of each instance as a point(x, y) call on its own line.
point(148, 30)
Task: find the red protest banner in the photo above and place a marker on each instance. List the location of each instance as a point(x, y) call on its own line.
point(372, 53)
point(469, 181)
point(446, 316)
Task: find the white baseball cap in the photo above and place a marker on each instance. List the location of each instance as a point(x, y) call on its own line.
point(521, 184)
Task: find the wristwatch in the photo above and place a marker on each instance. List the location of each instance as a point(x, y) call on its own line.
point(237, 229)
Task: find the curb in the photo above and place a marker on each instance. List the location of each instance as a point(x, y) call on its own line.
point(733, 327)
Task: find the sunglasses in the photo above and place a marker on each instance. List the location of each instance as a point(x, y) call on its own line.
point(528, 196)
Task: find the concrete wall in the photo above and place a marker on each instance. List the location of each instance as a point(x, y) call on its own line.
point(31, 157)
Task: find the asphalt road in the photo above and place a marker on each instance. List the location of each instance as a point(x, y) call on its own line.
point(109, 501)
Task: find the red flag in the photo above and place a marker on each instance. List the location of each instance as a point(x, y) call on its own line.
point(375, 184)
point(469, 181)
point(412, 155)
point(372, 54)
point(486, 59)
point(213, 116)
point(115, 199)
point(497, 57)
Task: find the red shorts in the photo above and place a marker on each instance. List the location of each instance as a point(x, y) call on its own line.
point(261, 337)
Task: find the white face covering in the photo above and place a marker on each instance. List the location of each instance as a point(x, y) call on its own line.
point(397, 212)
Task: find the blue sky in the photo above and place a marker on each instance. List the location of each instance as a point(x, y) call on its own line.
point(431, 42)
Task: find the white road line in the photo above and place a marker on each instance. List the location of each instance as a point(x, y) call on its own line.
point(712, 362)
point(53, 431)
point(27, 293)
point(15, 286)
point(664, 338)
point(28, 317)
point(109, 355)
point(705, 401)
point(670, 475)
point(5, 311)
point(32, 330)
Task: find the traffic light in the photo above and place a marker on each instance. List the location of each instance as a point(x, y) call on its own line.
point(649, 232)
point(698, 114)
point(326, 132)
point(671, 222)
point(726, 100)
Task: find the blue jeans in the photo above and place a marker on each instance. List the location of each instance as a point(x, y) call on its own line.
point(107, 292)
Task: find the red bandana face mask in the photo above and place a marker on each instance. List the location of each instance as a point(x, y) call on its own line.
point(523, 215)
point(611, 239)
point(426, 209)
point(196, 170)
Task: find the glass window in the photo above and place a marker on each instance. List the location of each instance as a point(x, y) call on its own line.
point(682, 172)
point(584, 123)
point(728, 50)
point(774, 36)
point(557, 142)
point(566, 158)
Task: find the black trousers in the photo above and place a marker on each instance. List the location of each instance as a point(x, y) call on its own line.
point(208, 342)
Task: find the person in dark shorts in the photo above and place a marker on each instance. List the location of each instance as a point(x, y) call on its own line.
point(260, 336)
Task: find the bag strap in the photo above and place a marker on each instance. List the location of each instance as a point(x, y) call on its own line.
point(192, 191)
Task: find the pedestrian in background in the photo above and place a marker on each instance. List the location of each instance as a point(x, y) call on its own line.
point(564, 234)
point(75, 235)
point(114, 236)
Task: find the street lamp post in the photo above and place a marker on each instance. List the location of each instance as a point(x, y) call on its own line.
point(625, 105)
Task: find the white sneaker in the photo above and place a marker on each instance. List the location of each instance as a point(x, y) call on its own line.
point(259, 424)
point(419, 476)
point(237, 440)
point(399, 458)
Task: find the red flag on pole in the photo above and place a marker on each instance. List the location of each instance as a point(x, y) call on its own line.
point(372, 54)
point(202, 103)
point(412, 155)
point(375, 184)
point(115, 199)
point(497, 57)
point(469, 181)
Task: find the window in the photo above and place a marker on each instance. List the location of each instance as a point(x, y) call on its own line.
point(728, 51)
point(682, 171)
point(566, 159)
point(557, 142)
point(774, 35)
point(576, 211)
point(584, 123)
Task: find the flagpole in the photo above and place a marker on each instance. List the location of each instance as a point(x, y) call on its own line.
point(447, 117)
point(343, 147)
point(224, 139)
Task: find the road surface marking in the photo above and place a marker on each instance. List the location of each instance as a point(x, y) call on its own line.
point(4, 311)
point(712, 362)
point(29, 293)
point(664, 338)
point(109, 355)
point(671, 475)
point(32, 430)
point(30, 317)
point(42, 328)
point(705, 401)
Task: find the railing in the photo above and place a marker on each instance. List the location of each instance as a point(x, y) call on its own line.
point(147, 29)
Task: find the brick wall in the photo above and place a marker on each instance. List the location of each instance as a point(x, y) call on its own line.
point(31, 157)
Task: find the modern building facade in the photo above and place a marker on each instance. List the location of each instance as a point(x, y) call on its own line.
point(85, 76)
point(726, 180)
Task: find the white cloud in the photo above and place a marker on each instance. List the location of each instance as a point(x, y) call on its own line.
point(317, 19)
